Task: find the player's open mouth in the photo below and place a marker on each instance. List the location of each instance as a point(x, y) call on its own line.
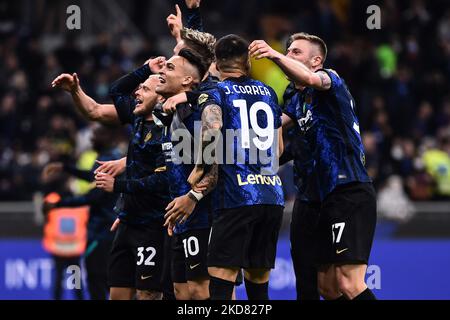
point(162, 80)
point(138, 101)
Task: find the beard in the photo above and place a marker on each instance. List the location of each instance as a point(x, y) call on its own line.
point(144, 110)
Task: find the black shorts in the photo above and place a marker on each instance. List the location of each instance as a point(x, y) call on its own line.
point(137, 257)
point(245, 237)
point(189, 252)
point(168, 290)
point(304, 238)
point(347, 224)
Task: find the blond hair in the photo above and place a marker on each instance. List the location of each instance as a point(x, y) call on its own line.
point(201, 42)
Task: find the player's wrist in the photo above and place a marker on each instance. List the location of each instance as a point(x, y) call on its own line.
point(195, 196)
point(275, 56)
point(74, 90)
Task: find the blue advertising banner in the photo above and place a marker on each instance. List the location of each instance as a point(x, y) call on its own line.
point(399, 269)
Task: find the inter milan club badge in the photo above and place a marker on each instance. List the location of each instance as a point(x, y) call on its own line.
point(203, 97)
point(362, 157)
point(308, 101)
point(148, 137)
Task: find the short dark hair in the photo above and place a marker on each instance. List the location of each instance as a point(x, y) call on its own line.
point(231, 49)
point(311, 38)
point(196, 60)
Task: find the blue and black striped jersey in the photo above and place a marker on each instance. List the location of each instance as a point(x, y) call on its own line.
point(189, 118)
point(145, 189)
point(249, 161)
point(330, 127)
point(305, 177)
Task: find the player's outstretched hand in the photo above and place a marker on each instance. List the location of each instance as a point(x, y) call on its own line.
point(259, 49)
point(113, 167)
point(115, 225)
point(104, 182)
point(175, 23)
point(67, 82)
point(196, 175)
point(156, 64)
point(192, 4)
point(170, 105)
point(179, 210)
point(51, 171)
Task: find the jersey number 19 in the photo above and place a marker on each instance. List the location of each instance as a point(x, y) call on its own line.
point(267, 132)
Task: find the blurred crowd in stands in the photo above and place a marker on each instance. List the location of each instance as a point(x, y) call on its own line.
point(399, 76)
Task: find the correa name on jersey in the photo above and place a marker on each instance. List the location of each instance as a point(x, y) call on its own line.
point(247, 105)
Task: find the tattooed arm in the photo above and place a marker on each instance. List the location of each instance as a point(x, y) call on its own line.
point(211, 129)
point(295, 70)
point(209, 180)
point(202, 183)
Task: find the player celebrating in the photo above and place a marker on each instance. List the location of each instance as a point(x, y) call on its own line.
point(327, 119)
point(182, 73)
point(137, 257)
point(249, 198)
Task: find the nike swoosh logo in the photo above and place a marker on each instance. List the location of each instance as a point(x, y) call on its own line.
point(147, 277)
point(340, 251)
point(194, 266)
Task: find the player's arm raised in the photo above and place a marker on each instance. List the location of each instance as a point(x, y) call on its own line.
point(175, 23)
point(192, 4)
point(89, 108)
point(295, 70)
point(193, 16)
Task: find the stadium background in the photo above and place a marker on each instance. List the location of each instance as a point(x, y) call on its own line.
point(399, 76)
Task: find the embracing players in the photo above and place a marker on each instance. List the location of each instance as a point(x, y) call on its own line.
point(326, 117)
point(248, 199)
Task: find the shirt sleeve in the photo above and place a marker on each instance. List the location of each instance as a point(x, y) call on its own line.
point(153, 183)
point(209, 97)
point(194, 19)
point(336, 81)
point(85, 175)
point(290, 111)
point(121, 92)
point(276, 108)
point(93, 196)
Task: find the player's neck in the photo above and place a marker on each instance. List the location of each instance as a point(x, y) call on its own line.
point(232, 73)
point(149, 117)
